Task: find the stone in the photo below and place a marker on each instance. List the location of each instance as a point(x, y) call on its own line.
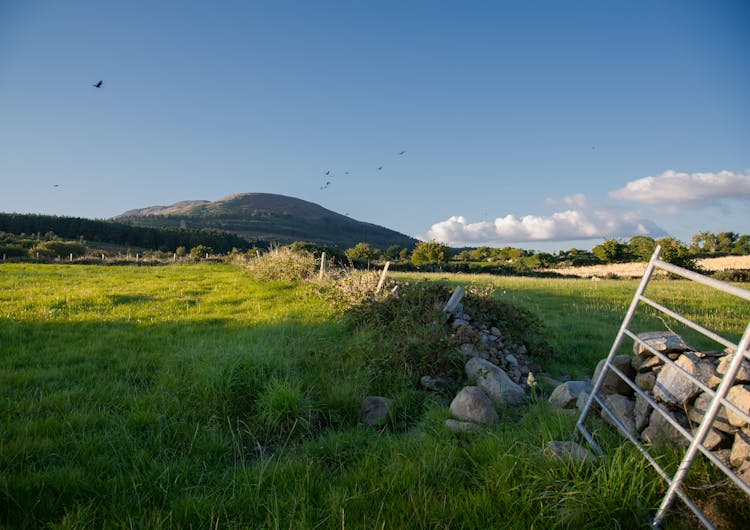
point(713, 439)
point(723, 455)
point(743, 374)
point(612, 383)
point(566, 394)
point(646, 381)
point(458, 322)
point(744, 472)
point(699, 409)
point(650, 364)
point(468, 349)
point(739, 395)
point(496, 332)
point(673, 387)
point(375, 410)
point(471, 404)
point(438, 384)
point(622, 408)
point(461, 426)
point(641, 412)
point(494, 382)
point(570, 451)
point(511, 359)
point(582, 399)
point(661, 341)
point(660, 430)
point(740, 448)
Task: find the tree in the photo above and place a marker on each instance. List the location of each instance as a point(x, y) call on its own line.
point(641, 247)
point(742, 245)
point(430, 252)
point(363, 252)
point(610, 251)
point(725, 241)
point(393, 252)
point(703, 242)
point(672, 251)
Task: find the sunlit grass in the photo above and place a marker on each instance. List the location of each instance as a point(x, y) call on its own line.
point(195, 396)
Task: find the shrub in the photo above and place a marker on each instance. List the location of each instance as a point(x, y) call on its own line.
point(732, 275)
point(283, 264)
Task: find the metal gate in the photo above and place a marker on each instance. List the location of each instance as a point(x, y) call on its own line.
point(718, 395)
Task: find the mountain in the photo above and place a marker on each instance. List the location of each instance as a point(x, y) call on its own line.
point(269, 217)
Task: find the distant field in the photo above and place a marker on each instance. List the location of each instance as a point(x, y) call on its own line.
point(632, 270)
point(192, 396)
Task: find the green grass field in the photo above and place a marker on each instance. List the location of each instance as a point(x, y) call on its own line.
point(194, 396)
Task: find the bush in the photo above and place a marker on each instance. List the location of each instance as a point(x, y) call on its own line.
point(57, 249)
point(732, 275)
point(283, 264)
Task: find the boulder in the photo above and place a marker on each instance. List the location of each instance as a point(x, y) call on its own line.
point(622, 408)
point(740, 448)
point(438, 384)
point(583, 397)
point(471, 404)
point(461, 426)
point(566, 394)
point(570, 451)
point(674, 388)
point(375, 410)
point(744, 472)
point(494, 382)
point(699, 408)
point(743, 374)
point(660, 430)
point(739, 395)
point(641, 412)
point(612, 383)
point(713, 440)
point(661, 341)
point(646, 381)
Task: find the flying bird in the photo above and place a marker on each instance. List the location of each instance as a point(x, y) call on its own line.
point(56, 186)
point(402, 152)
point(98, 84)
point(328, 172)
point(380, 168)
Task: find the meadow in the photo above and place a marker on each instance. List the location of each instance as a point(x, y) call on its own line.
point(195, 396)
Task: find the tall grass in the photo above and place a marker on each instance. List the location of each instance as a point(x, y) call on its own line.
point(197, 396)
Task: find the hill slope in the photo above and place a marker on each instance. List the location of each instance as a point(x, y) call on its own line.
point(271, 217)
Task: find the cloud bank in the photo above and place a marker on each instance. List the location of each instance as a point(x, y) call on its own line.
point(560, 226)
point(674, 187)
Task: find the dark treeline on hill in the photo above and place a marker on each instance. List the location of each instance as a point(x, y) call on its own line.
point(165, 239)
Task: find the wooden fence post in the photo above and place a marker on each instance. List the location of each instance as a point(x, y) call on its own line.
point(382, 277)
point(322, 265)
point(453, 301)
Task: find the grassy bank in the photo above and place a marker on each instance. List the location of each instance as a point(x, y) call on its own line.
point(194, 396)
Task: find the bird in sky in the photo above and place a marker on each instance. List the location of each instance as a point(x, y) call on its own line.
point(380, 168)
point(98, 84)
point(402, 152)
point(328, 172)
point(56, 186)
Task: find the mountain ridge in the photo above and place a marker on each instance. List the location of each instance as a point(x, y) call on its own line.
point(271, 217)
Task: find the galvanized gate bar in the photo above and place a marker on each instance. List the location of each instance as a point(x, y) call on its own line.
point(728, 288)
point(708, 420)
point(654, 464)
point(616, 346)
point(697, 327)
point(718, 400)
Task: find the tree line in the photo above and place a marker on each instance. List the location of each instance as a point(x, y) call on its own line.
point(34, 226)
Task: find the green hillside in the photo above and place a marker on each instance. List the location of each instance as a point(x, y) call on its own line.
point(269, 217)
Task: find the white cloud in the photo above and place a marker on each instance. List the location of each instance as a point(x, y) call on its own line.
point(560, 226)
point(573, 201)
point(674, 187)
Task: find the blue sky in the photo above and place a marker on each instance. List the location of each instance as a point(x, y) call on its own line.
point(546, 124)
